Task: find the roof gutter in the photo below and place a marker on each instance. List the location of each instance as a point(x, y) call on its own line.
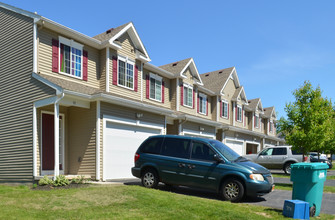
point(165, 73)
point(231, 128)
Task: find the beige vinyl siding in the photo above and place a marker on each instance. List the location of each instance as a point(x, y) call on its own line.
point(228, 92)
point(167, 87)
point(82, 142)
point(45, 59)
point(173, 129)
point(173, 94)
point(102, 76)
point(119, 90)
point(18, 91)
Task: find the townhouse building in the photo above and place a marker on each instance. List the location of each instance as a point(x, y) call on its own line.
point(78, 105)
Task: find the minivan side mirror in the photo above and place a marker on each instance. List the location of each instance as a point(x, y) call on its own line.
point(218, 159)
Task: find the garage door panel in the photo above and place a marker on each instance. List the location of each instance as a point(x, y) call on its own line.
point(236, 146)
point(121, 143)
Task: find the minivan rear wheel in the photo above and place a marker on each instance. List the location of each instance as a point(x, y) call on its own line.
point(232, 190)
point(150, 178)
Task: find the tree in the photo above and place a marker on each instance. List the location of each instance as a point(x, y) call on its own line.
point(310, 120)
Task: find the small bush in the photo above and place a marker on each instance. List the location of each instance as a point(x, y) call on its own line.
point(79, 180)
point(61, 181)
point(45, 181)
point(34, 185)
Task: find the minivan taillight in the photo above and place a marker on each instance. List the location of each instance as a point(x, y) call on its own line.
point(137, 156)
point(305, 158)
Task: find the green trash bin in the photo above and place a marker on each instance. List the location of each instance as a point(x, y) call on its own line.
point(308, 180)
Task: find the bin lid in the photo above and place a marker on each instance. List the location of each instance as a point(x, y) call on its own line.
point(312, 166)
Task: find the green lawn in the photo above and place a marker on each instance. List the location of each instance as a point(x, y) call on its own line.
point(121, 202)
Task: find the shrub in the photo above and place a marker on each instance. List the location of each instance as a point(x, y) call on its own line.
point(45, 181)
point(61, 181)
point(79, 180)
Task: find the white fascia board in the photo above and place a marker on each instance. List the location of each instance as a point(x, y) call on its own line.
point(241, 130)
point(58, 89)
point(194, 67)
point(20, 11)
point(236, 77)
point(242, 90)
point(133, 35)
point(224, 85)
point(70, 32)
point(275, 138)
point(158, 70)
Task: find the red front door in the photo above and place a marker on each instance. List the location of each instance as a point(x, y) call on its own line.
point(48, 143)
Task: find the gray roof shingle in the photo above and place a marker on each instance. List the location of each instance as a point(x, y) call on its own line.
point(267, 112)
point(110, 33)
point(253, 103)
point(72, 86)
point(215, 80)
point(175, 67)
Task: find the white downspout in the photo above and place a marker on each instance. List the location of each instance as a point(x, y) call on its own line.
point(56, 135)
point(142, 72)
point(177, 94)
point(98, 142)
point(34, 107)
point(107, 69)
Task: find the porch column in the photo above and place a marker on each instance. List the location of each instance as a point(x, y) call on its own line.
point(56, 135)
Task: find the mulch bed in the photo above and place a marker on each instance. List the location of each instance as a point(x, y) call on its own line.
point(51, 187)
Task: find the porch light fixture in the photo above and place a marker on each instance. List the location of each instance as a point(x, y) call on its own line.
point(138, 115)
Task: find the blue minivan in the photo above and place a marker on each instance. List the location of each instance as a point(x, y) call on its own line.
point(202, 163)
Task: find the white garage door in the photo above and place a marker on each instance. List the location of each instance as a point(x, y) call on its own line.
point(236, 146)
point(120, 145)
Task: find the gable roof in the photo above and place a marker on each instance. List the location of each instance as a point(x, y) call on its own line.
point(216, 79)
point(239, 92)
point(254, 103)
point(179, 67)
point(269, 111)
point(111, 35)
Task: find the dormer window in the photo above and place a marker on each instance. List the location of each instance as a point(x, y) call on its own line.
point(239, 113)
point(70, 58)
point(271, 126)
point(125, 72)
point(155, 87)
point(225, 108)
point(256, 121)
point(202, 103)
point(187, 95)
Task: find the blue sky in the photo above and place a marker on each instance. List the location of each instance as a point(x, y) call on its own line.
point(274, 45)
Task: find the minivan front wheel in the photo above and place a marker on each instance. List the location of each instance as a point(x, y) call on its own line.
point(232, 190)
point(150, 178)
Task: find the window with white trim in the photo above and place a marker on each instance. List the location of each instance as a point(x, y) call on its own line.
point(202, 103)
point(270, 126)
point(155, 87)
point(188, 95)
point(239, 113)
point(70, 57)
point(256, 121)
point(125, 72)
point(224, 109)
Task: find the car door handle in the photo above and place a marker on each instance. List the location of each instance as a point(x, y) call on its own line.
point(181, 165)
point(191, 166)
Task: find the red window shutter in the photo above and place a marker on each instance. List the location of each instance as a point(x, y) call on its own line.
point(181, 94)
point(147, 86)
point(163, 87)
point(136, 78)
point(206, 106)
point(198, 103)
point(193, 99)
point(85, 63)
point(245, 116)
point(254, 121)
point(114, 70)
point(55, 52)
point(221, 103)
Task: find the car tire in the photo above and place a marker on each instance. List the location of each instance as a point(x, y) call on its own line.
point(232, 190)
point(287, 168)
point(150, 178)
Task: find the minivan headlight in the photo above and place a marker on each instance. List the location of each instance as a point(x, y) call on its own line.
point(257, 177)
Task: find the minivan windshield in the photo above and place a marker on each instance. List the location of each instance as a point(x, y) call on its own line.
point(226, 151)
